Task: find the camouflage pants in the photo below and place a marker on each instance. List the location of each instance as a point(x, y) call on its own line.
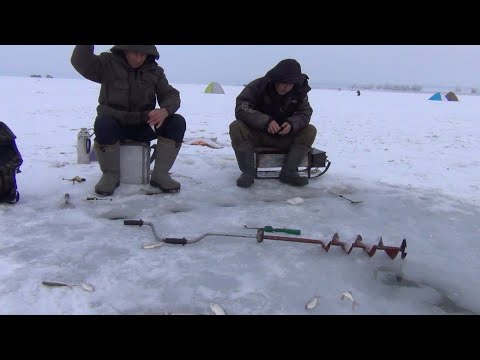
point(240, 133)
point(8, 184)
point(10, 161)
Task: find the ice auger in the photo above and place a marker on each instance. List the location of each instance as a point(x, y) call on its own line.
point(369, 249)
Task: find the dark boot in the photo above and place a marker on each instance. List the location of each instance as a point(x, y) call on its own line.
point(245, 159)
point(289, 174)
point(109, 160)
point(12, 197)
point(166, 153)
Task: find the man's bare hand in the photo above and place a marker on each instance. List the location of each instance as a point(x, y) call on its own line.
point(273, 127)
point(286, 127)
point(157, 117)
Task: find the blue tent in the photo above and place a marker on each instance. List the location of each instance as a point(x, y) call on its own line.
point(437, 96)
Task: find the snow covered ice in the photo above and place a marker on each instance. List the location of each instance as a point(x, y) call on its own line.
point(414, 163)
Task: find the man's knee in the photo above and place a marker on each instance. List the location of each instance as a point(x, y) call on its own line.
point(311, 131)
point(306, 136)
point(235, 127)
point(105, 122)
point(175, 128)
point(106, 130)
point(177, 125)
point(238, 131)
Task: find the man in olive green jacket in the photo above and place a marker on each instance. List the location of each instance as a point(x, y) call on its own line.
point(131, 85)
point(273, 111)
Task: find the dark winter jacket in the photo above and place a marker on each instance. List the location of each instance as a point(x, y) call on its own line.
point(259, 103)
point(126, 93)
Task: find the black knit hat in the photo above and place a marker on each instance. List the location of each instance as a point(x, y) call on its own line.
point(287, 71)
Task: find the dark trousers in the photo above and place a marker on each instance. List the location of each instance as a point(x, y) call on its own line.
point(241, 133)
point(108, 131)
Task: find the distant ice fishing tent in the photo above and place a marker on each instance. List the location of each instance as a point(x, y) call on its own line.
point(440, 97)
point(214, 88)
point(451, 96)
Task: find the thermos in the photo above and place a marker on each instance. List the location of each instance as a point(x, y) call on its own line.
point(83, 146)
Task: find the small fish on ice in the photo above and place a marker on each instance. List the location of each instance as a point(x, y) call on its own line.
point(87, 287)
point(312, 303)
point(348, 295)
point(84, 286)
point(217, 309)
point(152, 246)
point(295, 201)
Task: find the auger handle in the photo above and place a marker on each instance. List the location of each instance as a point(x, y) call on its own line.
point(176, 241)
point(133, 222)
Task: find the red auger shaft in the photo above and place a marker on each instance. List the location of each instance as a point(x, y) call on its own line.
point(369, 249)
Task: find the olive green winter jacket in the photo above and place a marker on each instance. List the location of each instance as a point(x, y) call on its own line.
point(126, 93)
point(258, 103)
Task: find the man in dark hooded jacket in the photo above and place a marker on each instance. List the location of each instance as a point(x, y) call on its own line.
point(131, 84)
point(273, 111)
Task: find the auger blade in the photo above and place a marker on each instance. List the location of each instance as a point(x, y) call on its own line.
point(403, 247)
point(392, 253)
point(369, 249)
point(380, 242)
point(336, 241)
point(327, 247)
point(372, 251)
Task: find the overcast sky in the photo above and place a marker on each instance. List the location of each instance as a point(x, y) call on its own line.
point(445, 65)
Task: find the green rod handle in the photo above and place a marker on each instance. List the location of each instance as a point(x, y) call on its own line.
point(287, 231)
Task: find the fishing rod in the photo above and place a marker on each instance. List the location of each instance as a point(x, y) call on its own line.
point(369, 249)
point(269, 228)
point(343, 197)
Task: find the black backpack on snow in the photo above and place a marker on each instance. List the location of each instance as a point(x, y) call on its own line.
point(10, 161)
